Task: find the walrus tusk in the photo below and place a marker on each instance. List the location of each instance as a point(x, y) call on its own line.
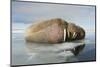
point(64, 34)
point(74, 34)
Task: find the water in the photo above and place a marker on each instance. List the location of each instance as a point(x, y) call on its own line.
point(24, 53)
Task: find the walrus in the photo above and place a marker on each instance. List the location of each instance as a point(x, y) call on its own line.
point(54, 30)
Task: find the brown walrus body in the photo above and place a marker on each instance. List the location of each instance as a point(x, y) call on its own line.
point(52, 31)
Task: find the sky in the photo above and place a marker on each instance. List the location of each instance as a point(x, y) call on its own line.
point(24, 13)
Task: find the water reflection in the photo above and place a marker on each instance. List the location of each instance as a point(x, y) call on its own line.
point(53, 53)
point(78, 49)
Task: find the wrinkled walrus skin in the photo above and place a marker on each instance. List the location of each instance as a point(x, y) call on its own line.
point(52, 31)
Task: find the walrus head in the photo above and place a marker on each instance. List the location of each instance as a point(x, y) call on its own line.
point(74, 32)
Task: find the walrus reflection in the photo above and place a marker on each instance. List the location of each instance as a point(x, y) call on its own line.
point(47, 53)
point(78, 49)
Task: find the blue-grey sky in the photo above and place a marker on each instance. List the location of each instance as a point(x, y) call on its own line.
point(27, 12)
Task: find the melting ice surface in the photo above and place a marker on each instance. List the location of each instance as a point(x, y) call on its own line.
point(34, 53)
